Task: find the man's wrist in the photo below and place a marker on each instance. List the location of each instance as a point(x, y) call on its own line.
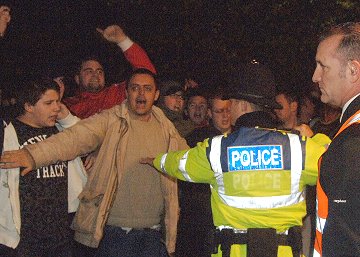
point(31, 158)
point(125, 44)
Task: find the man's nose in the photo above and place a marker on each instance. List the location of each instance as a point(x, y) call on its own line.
point(198, 108)
point(226, 114)
point(316, 75)
point(56, 107)
point(141, 90)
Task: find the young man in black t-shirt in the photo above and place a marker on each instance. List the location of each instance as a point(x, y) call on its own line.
point(42, 194)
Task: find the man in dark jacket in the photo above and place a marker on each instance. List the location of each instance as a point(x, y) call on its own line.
point(338, 76)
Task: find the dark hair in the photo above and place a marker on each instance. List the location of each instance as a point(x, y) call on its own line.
point(349, 46)
point(311, 96)
point(168, 87)
point(81, 61)
point(197, 91)
point(291, 96)
point(31, 92)
point(7, 3)
point(218, 93)
point(142, 71)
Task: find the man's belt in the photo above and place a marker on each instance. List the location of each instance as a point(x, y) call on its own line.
point(155, 227)
point(261, 242)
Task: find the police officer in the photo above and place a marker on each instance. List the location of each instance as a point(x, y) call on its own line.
point(251, 89)
point(257, 178)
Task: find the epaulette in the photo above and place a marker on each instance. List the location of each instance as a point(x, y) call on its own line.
point(282, 131)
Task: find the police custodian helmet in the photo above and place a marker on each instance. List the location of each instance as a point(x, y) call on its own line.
point(253, 82)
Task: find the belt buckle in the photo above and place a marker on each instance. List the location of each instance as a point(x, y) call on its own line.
point(235, 230)
point(239, 231)
point(286, 232)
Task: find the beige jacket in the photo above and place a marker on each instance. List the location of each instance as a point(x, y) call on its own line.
point(106, 134)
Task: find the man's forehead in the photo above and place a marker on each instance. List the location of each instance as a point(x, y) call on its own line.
point(142, 79)
point(5, 8)
point(197, 99)
point(329, 45)
point(49, 94)
point(91, 64)
point(220, 102)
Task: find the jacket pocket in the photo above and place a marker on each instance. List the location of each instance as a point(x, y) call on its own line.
point(87, 212)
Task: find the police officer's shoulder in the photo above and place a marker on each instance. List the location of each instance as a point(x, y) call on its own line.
point(284, 132)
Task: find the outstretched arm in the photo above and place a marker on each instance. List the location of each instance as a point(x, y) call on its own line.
point(135, 55)
point(18, 159)
point(188, 165)
point(113, 34)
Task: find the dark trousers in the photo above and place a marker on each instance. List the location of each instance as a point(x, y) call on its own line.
point(23, 251)
point(80, 250)
point(192, 240)
point(137, 243)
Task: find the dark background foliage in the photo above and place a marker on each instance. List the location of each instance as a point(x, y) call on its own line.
point(200, 39)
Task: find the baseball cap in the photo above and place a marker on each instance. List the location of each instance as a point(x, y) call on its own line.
point(169, 87)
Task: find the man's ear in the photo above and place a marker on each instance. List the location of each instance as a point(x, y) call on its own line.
point(294, 106)
point(209, 114)
point(354, 70)
point(186, 113)
point(157, 94)
point(28, 107)
point(77, 79)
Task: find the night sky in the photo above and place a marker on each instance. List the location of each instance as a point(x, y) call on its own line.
point(187, 38)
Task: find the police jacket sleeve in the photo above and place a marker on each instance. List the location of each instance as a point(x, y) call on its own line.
point(188, 165)
point(315, 147)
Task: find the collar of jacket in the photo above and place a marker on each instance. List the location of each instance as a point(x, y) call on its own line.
point(122, 111)
point(352, 108)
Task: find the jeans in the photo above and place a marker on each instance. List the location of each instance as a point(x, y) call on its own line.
point(136, 243)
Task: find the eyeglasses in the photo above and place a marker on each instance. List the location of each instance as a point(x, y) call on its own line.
point(177, 96)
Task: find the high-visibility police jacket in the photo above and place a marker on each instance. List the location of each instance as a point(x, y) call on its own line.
point(257, 177)
point(322, 201)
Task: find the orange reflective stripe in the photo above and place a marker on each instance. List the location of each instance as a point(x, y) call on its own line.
point(318, 243)
point(350, 121)
point(322, 199)
point(322, 213)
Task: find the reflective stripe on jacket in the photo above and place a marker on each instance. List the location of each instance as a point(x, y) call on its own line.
point(296, 166)
point(259, 197)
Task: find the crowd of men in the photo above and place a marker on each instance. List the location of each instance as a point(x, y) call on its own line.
point(158, 167)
